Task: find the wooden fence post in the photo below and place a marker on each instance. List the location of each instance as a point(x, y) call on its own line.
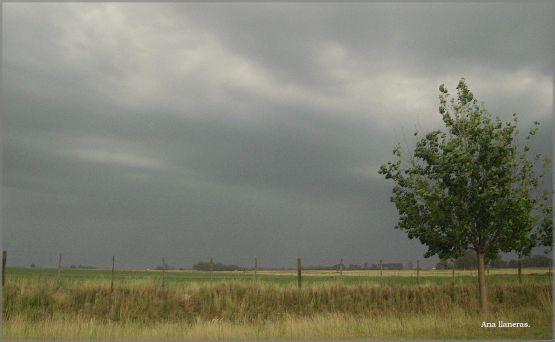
point(59, 265)
point(341, 268)
point(4, 257)
point(519, 270)
point(453, 275)
point(163, 272)
point(381, 271)
point(113, 266)
point(417, 272)
point(211, 269)
point(299, 281)
point(255, 267)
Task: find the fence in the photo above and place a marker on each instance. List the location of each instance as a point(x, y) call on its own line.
point(380, 271)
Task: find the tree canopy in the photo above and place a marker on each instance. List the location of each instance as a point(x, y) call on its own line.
point(471, 185)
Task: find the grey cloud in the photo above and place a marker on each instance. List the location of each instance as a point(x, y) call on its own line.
point(412, 37)
point(235, 131)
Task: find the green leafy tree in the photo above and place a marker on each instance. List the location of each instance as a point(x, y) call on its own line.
point(498, 263)
point(535, 206)
point(544, 233)
point(469, 186)
point(443, 265)
point(467, 261)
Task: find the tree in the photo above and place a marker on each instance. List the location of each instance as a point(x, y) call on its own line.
point(211, 266)
point(443, 265)
point(498, 263)
point(536, 261)
point(535, 208)
point(469, 186)
point(544, 233)
point(532, 261)
point(466, 261)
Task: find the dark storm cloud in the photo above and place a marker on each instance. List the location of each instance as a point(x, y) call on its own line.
point(235, 131)
point(439, 38)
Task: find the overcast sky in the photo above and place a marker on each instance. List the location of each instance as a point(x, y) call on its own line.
point(236, 131)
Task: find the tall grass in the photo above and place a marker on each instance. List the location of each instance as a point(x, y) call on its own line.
point(240, 302)
point(249, 310)
point(182, 279)
point(455, 325)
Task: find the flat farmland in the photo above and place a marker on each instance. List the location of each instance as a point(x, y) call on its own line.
point(81, 304)
point(71, 277)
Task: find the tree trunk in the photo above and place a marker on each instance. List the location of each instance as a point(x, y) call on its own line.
point(453, 275)
point(482, 282)
point(519, 270)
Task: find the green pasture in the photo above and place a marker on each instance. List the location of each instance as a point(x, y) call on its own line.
point(76, 277)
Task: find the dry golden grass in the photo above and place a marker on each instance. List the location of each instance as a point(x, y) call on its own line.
point(247, 302)
point(455, 325)
point(250, 310)
point(400, 273)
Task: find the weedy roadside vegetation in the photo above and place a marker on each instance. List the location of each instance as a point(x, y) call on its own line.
point(247, 309)
point(238, 302)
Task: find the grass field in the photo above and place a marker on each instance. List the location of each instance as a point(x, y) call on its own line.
point(70, 277)
point(233, 305)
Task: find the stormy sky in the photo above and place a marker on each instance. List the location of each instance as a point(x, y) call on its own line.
point(235, 131)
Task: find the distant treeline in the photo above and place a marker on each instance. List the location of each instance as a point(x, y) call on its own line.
point(532, 261)
point(218, 266)
point(366, 266)
point(78, 266)
point(469, 261)
point(168, 267)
